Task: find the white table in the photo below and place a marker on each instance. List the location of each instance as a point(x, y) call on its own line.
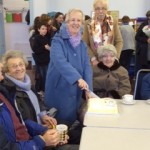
point(130, 116)
point(94, 138)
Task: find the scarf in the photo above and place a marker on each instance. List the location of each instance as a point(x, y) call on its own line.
point(26, 87)
point(20, 129)
point(102, 34)
point(74, 40)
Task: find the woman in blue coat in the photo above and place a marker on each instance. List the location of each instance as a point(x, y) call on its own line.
point(69, 71)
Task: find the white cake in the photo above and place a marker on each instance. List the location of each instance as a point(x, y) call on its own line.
point(102, 106)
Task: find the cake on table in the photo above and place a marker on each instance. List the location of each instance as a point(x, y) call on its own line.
point(102, 106)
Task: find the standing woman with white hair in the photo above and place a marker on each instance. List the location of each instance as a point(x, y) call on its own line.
point(109, 78)
point(69, 71)
point(102, 29)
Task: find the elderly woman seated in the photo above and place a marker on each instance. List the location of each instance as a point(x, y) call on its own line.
point(109, 78)
point(18, 134)
point(18, 84)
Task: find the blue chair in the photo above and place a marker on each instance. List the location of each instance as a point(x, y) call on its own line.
point(137, 90)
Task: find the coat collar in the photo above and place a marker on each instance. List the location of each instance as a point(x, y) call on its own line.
point(115, 66)
point(63, 32)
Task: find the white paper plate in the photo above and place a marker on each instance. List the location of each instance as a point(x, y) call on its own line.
point(129, 103)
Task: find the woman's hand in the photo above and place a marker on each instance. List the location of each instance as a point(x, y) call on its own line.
point(87, 95)
point(82, 84)
point(47, 47)
point(94, 62)
point(51, 137)
point(49, 121)
point(54, 28)
point(65, 141)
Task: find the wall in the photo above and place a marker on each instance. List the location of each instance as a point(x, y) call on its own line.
point(2, 34)
point(17, 34)
point(35, 10)
point(133, 8)
point(15, 4)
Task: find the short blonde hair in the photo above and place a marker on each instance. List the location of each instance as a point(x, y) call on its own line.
point(73, 11)
point(12, 54)
point(101, 1)
point(106, 48)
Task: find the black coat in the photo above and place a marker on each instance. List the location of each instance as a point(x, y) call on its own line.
point(24, 103)
point(141, 45)
point(41, 54)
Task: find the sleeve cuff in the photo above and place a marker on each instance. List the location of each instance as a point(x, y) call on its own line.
point(41, 114)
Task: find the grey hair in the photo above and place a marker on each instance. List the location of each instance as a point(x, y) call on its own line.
point(73, 11)
point(106, 48)
point(12, 54)
point(148, 13)
point(102, 1)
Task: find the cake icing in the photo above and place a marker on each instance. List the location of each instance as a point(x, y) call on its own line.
point(102, 106)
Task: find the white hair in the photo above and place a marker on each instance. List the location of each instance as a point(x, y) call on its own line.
point(106, 48)
point(101, 1)
point(73, 11)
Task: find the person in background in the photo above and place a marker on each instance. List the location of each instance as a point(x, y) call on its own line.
point(44, 17)
point(128, 36)
point(27, 17)
point(33, 33)
point(109, 78)
point(58, 20)
point(69, 71)
point(34, 29)
point(45, 20)
point(56, 23)
point(102, 29)
point(41, 50)
point(143, 46)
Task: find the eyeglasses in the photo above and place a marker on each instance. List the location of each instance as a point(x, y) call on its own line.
point(108, 55)
point(15, 66)
point(101, 8)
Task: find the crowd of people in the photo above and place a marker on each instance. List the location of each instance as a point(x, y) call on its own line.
point(73, 56)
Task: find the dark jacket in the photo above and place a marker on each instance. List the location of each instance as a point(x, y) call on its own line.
point(42, 54)
point(7, 135)
point(23, 102)
point(141, 44)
